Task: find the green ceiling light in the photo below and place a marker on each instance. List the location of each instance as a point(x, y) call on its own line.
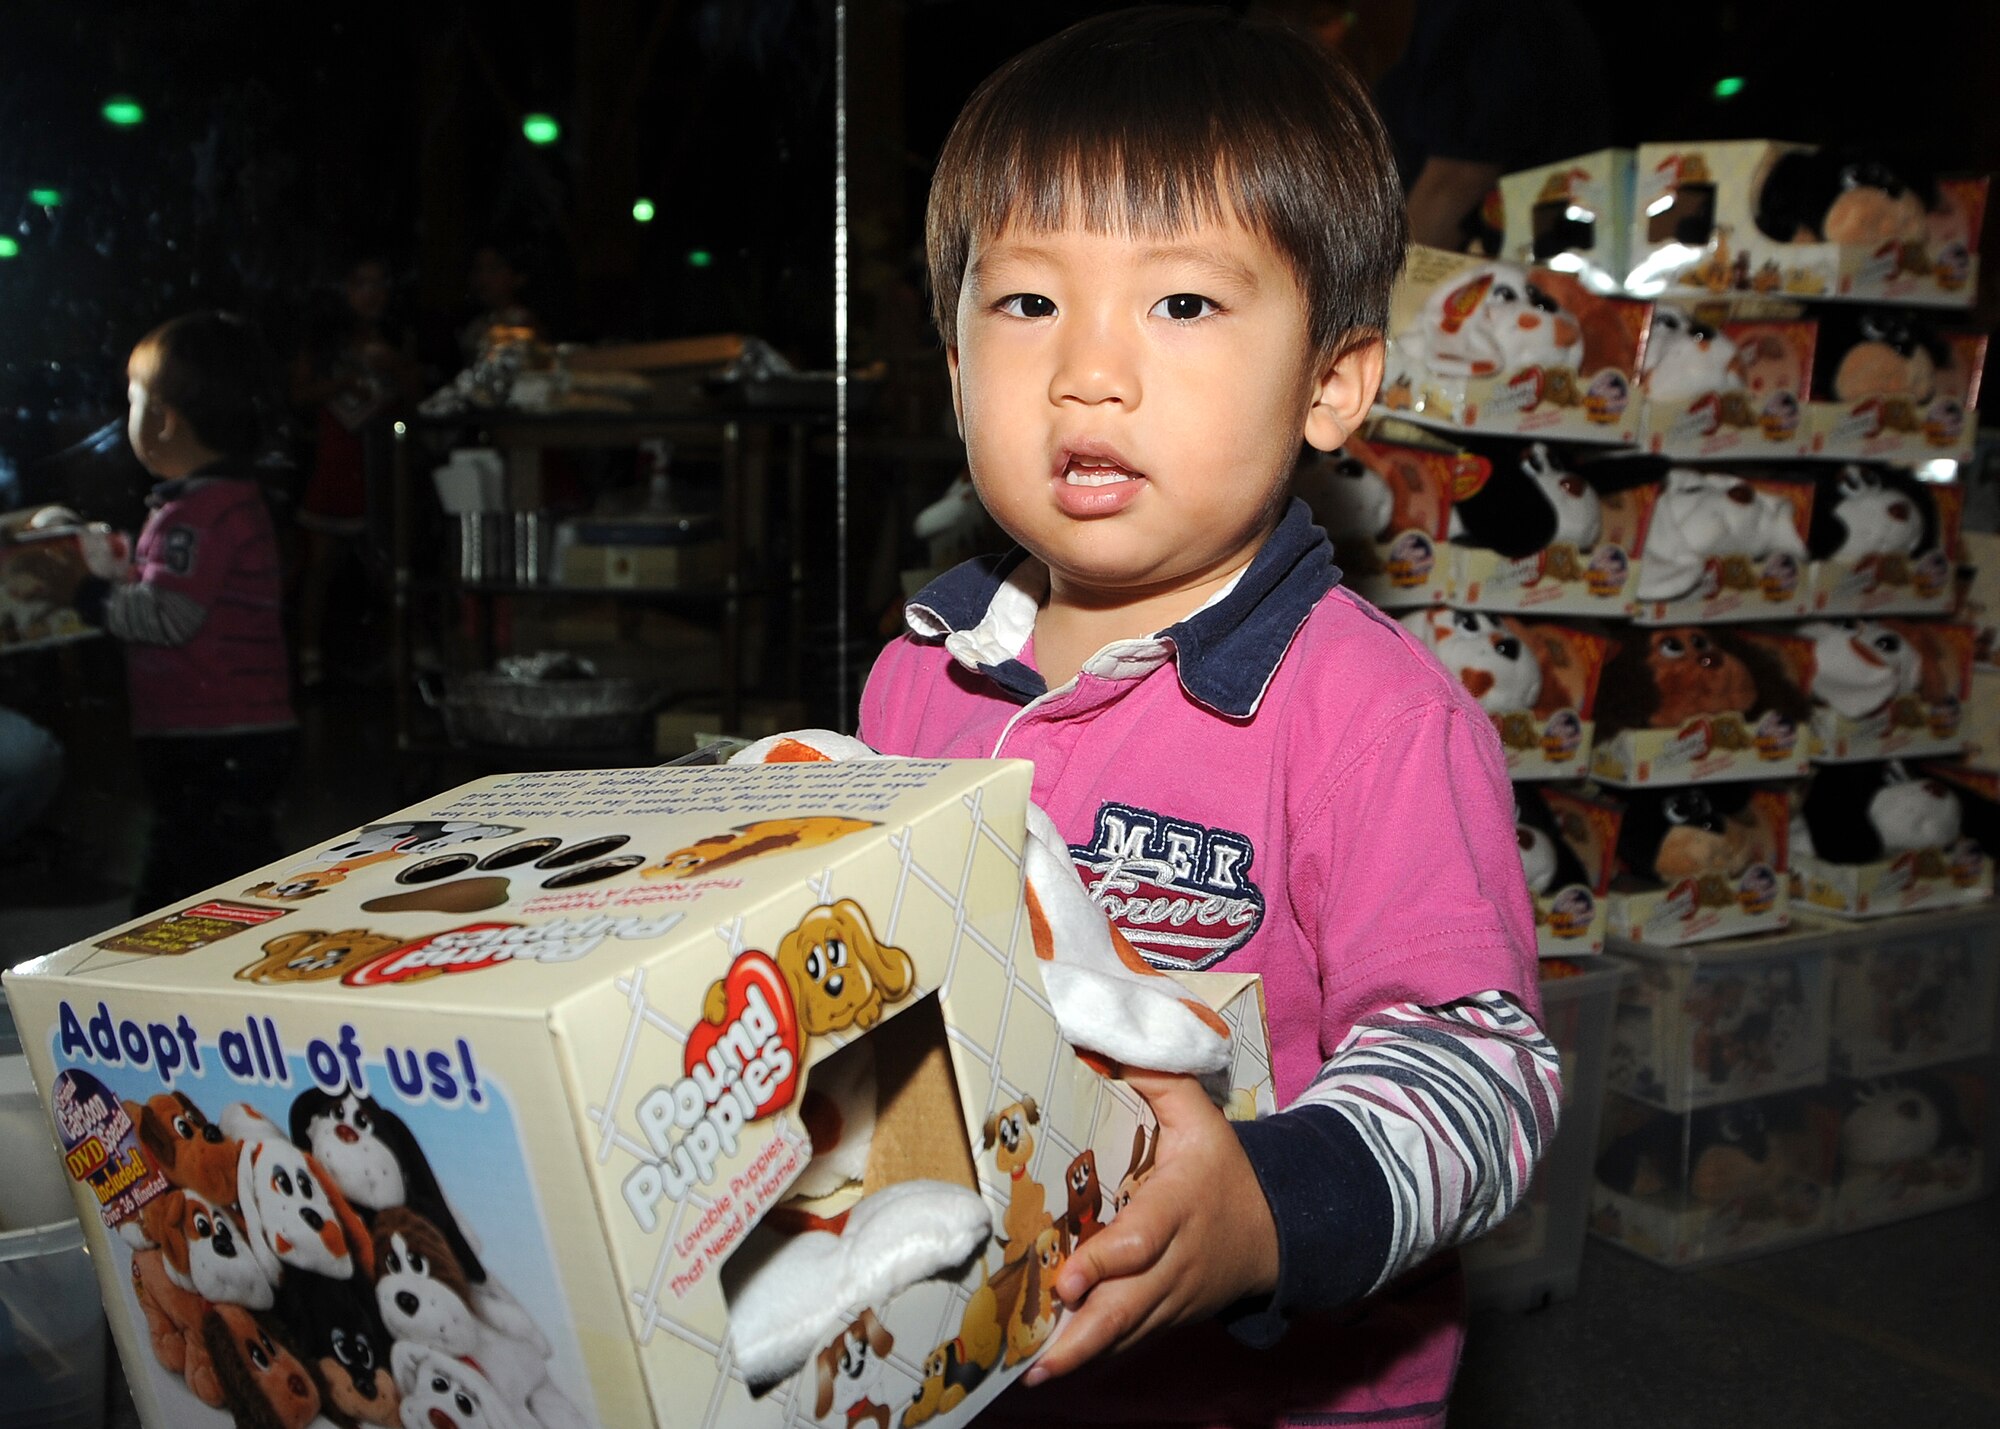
point(9, 248)
point(643, 210)
point(1730, 87)
point(540, 129)
point(45, 198)
point(701, 258)
point(122, 111)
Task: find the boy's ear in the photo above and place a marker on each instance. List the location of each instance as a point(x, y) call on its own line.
point(1343, 392)
point(957, 396)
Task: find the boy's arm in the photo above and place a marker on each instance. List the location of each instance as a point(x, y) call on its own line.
point(1420, 1132)
point(183, 573)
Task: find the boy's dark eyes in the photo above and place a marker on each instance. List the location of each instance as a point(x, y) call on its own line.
point(1185, 307)
point(1027, 305)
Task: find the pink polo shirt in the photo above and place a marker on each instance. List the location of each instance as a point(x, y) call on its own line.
point(1284, 783)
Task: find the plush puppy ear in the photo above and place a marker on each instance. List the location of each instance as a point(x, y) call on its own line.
point(879, 1339)
point(891, 969)
point(826, 1365)
point(253, 1214)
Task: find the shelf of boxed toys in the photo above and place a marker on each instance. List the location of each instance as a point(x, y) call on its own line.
point(1766, 1091)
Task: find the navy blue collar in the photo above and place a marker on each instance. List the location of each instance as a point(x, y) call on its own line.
point(1224, 654)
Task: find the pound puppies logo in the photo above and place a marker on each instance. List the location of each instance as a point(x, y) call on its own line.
point(741, 1066)
point(1180, 891)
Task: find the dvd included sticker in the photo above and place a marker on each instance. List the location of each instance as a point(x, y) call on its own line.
point(101, 1147)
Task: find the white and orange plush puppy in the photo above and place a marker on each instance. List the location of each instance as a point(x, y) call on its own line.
point(850, 1374)
point(1491, 320)
point(206, 1249)
point(1484, 653)
point(296, 1217)
point(425, 1299)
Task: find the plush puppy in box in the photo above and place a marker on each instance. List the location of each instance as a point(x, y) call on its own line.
point(1349, 497)
point(1491, 320)
point(1687, 358)
point(1865, 813)
point(1704, 515)
point(1662, 678)
point(1485, 654)
point(1877, 352)
point(1531, 501)
point(1863, 511)
point(1546, 857)
point(1899, 1121)
point(1844, 196)
point(1860, 666)
point(1667, 835)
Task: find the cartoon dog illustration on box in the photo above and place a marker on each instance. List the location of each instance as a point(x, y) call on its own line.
point(1007, 1136)
point(373, 844)
point(191, 1151)
point(747, 841)
point(839, 973)
point(850, 1371)
point(960, 1365)
point(311, 955)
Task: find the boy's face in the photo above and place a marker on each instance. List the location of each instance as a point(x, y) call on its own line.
point(1132, 407)
point(145, 423)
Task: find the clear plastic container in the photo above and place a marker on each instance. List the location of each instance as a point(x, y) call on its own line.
point(52, 1337)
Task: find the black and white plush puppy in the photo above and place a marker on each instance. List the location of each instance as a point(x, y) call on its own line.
point(375, 1160)
point(440, 1391)
point(1876, 352)
point(1491, 320)
point(1546, 857)
point(1531, 502)
point(1844, 196)
point(1667, 835)
point(1704, 514)
point(1897, 1121)
point(1862, 511)
point(1859, 666)
point(1483, 654)
point(1728, 1150)
point(1687, 358)
point(1348, 496)
point(1864, 813)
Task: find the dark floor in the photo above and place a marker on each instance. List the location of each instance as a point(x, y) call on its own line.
point(1895, 1326)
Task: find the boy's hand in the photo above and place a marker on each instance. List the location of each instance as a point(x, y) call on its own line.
point(1196, 1236)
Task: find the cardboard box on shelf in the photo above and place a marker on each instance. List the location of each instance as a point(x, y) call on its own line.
point(585, 1016)
point(1926, 878)
point(1706, 221)
point(1714, 546)
point(1909, 405)
point(1979, 594)
point(1745, 891)
point(1581, 855)
point(1726, 387)
point(1537, 682)
point(1929, 662)
point(1914, 582)
point(1385, 498)
point(1497, 347)
point(1573, 215)
point(1527, 537)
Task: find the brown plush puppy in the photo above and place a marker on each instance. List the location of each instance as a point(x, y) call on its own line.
point(189, 1149)
point(1660, 679)
point(263, 1384)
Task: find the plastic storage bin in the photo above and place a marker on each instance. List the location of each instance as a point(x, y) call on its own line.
point(1533, 1256)
point(1914, 992)
point(52, 1333)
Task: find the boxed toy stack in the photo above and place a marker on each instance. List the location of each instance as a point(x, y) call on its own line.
point(727, 1096)
point(1754, 566)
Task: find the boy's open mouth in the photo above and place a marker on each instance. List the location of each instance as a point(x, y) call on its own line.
point(1094, 463)
point(1080, 473)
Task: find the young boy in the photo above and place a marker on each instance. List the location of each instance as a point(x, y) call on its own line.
point(1161, 246)
point(205, 647)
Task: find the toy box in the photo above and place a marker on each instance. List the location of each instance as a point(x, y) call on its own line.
point(1979, 594)
point(1527, 535)
point(1536, 680)
point(1722, 1022)
point(1889, 688)
point(39, 573)
point(1883, 543)
point(1912, 992)
point(1981, 726)
point(1757, 216)
point(1498, 347)
point(1726, 385)
point(545, 1050)
point(1926, 878)
point(1574, 216)
point(1533, 1256)
point(1887, 388)
point(1569, 845)
point(1911, 1143)
point(1721, 1182)
point(1385, 499)
point(1699, 865)
point(1714, 546)
point(1690, 704)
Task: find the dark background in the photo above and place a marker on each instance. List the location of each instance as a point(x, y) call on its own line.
point(282, 141)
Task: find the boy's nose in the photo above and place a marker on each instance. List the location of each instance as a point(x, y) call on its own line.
point(1094, 368)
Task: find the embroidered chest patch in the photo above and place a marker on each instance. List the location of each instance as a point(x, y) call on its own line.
point(1180, 891)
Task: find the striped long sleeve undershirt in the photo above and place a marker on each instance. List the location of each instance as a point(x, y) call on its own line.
point(1421, 1131)
point(146, 615)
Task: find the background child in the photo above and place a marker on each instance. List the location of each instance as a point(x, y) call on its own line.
point(200, 615)
point(1161, 248)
